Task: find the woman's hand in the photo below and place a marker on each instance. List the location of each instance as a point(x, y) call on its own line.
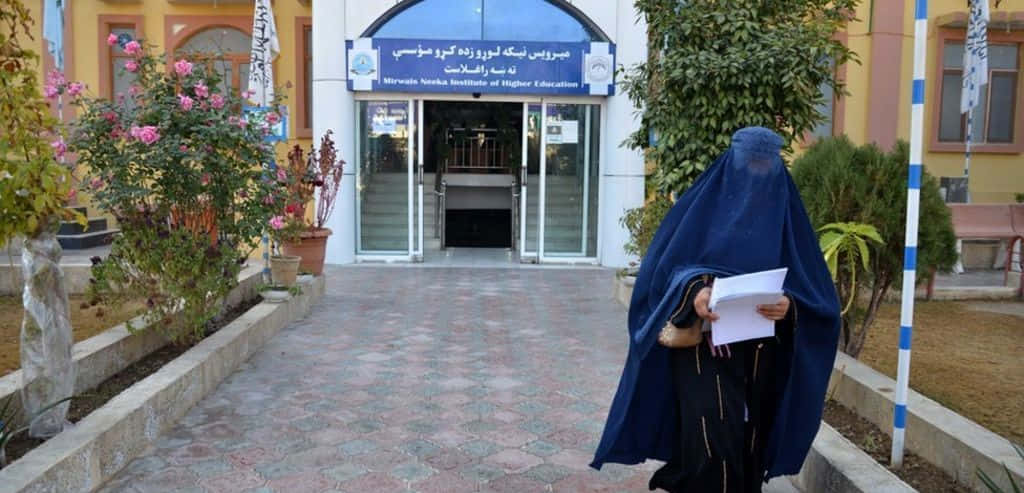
point(700, 304)
point(774, 312)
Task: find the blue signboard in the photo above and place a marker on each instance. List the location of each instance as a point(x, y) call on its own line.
point(411, 65)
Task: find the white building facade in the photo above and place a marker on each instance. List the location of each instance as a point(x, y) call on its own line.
point(479, 124)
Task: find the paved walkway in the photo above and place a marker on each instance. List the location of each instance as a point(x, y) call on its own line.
point(415, 379)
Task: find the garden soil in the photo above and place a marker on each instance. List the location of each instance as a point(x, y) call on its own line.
point(967, 359)
point(85, 322)
point(93, 399)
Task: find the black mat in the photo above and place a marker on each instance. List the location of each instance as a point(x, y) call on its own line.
point(482, 228)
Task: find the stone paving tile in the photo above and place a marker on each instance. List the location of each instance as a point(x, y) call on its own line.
point(413, 379)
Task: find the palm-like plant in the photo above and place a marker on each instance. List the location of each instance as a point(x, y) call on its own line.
point(848, 242)
point(9, 419)
point(992, 486)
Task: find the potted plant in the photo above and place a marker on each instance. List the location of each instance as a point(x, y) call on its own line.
point(319, 170)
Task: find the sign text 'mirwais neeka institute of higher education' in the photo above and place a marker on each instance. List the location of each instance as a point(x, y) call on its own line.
point(401, 65)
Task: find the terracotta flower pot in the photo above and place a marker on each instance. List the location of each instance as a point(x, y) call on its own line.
point(311, 248)
point(284, 269)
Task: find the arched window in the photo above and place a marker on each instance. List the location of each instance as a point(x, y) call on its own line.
point(493, 20)
point(232, 47)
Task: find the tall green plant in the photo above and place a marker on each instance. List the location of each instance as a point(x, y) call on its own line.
point(642, 222)
point(716, 66)
point(842, 183)
point(843, 244)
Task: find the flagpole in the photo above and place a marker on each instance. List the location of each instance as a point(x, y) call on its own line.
point(967, 159)
point(899, 422)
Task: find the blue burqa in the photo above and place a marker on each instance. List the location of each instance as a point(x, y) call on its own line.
point(743, 214)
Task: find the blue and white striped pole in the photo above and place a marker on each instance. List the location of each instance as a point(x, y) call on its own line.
point(899, 420)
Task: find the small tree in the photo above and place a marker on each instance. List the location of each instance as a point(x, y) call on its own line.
point(34, 190)
point(840, 182)
point(716, 66)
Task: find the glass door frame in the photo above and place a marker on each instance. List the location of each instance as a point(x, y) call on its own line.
point(415, 171)
point(540, 254)
point(414, 119)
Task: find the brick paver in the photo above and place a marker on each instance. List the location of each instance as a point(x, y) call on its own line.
point(414, 379)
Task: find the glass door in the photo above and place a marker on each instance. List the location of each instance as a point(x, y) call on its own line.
point(529, 184)
point(389, 220)
point(569, 171)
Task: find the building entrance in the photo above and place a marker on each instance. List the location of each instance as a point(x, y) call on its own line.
point(437, 175)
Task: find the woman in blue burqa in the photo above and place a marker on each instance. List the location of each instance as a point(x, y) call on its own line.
point(726, 418)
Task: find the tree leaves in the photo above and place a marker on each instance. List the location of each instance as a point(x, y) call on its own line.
point(726, 65)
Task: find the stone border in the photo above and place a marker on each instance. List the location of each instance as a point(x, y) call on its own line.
point(103, 355)
point(940, 436)
point(97, 447)
point(834, 464)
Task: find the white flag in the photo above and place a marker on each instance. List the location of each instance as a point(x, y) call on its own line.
point(265, 46)
point(53, 31)
point(975, 56)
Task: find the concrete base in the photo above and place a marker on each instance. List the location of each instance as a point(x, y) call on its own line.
point(103, 355)
point(84, 457)
point(942, 437)
point(835, 465)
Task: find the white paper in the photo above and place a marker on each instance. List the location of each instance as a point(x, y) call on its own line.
point(735, 300)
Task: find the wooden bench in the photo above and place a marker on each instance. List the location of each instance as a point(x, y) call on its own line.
point(990, 222)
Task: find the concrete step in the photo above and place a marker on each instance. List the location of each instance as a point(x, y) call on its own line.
point(90, 239)
point(74, 228)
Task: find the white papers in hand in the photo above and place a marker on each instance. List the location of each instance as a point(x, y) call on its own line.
point(735, 300)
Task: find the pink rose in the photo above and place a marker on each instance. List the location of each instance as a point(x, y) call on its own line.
point(111, 39)
point(205, 180)
point(269, 199)
point(147, 134)
point(217, 101)
point(201, 90)
point(185, 102)
point(75, 88)
point(131, 66)
point(183, 148)
point(72, 193)
point(59, 148)
point(183, 68)
point(55, 78)
point(50, 91)
point(110, 116)
point(133, 48)
point(134, 91)
point(96, 183)
point(282, 175)
point(273, 118)
point(277, 222)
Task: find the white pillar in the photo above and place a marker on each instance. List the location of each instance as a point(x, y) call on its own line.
point(622, 173)
point(334, 109)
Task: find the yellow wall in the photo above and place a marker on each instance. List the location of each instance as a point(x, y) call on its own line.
point(994, 177)
point(85, 27)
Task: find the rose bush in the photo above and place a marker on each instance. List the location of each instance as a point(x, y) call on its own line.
point(184, 173)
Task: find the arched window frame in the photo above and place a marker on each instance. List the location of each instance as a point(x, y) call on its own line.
point(572, 10)
point(195, 24)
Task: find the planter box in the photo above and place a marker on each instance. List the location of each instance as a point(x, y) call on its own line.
point(84, 457)
point(104, 355)
point(942, 437)
point(834, 464)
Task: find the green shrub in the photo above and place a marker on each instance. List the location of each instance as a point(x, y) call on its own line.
point(642, 222)
point(1019, 197)
point(841, 182)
